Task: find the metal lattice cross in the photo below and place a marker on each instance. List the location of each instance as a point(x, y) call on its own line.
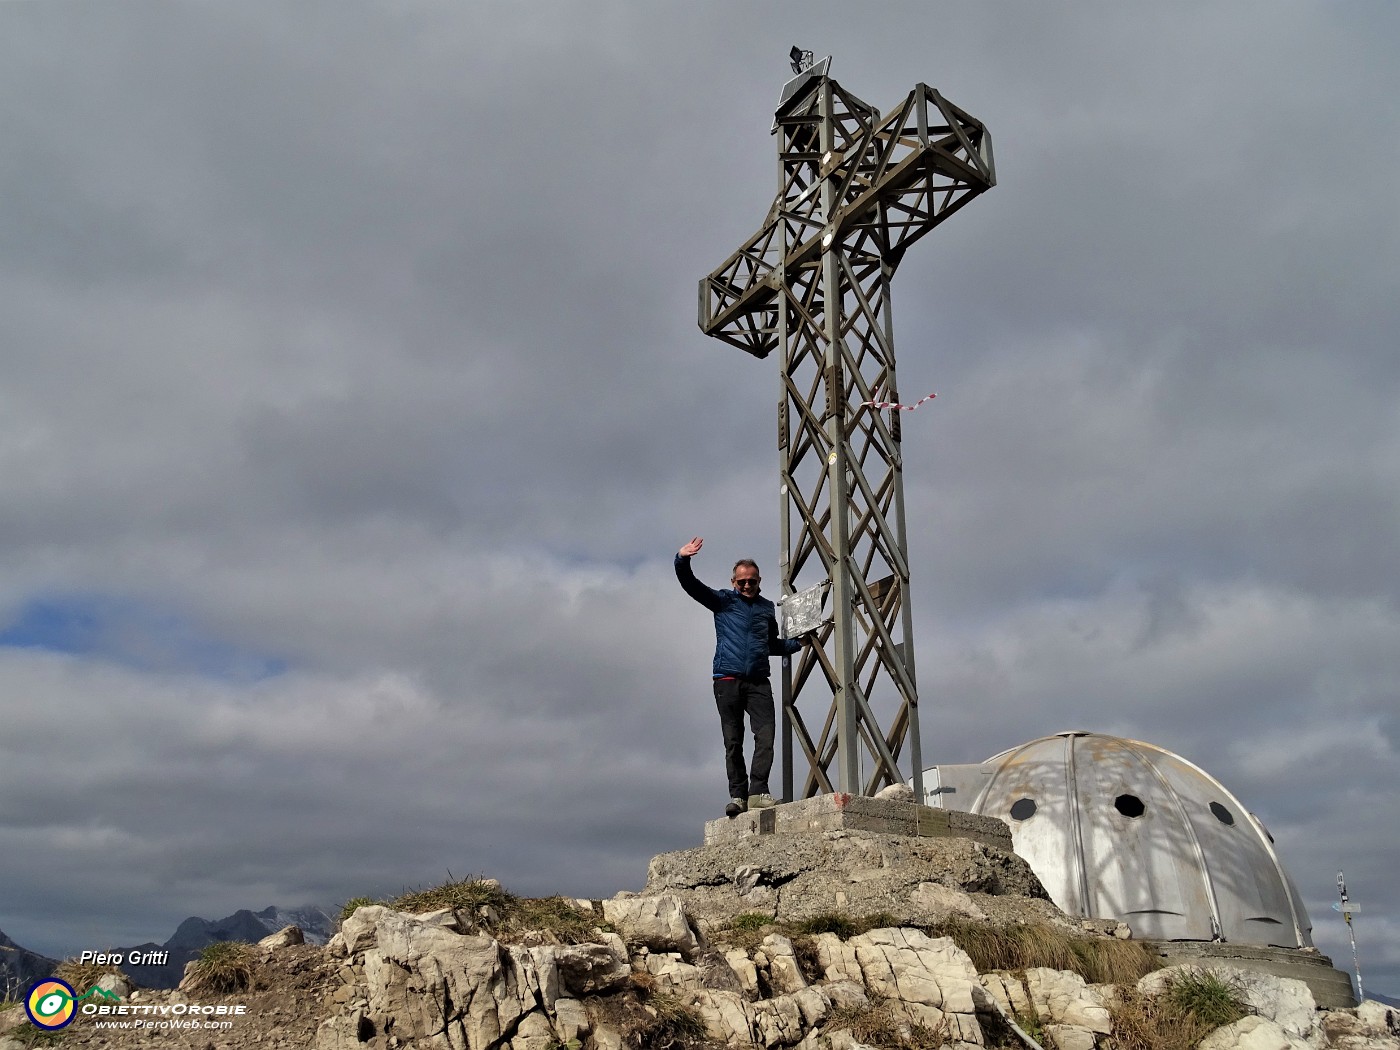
point(855, 190)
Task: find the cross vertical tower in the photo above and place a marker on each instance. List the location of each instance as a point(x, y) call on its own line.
point(854, 191)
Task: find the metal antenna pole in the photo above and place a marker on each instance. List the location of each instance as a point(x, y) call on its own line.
point(1346, 909)
point(854, 191)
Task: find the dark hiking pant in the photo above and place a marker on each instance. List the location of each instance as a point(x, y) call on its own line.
point(736, 697)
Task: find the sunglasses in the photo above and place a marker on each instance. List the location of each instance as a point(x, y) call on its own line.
point(746, 583)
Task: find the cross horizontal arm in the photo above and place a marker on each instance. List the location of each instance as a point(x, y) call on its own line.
point(910, 176)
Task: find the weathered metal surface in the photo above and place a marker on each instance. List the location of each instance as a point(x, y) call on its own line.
point(1121, 829)
point(855, 191)
point(802, 611)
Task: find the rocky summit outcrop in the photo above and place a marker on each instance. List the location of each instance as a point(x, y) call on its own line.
point(424, 981)
point(810, 939)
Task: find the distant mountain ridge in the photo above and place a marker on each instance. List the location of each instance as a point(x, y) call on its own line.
point(19, 967)
point(195, 934)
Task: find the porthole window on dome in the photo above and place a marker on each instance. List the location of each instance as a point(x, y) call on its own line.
point(1023, 809)
point(1221, 813)
point(1129, 805)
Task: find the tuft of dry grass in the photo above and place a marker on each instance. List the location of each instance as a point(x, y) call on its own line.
point(876, 1024)
point(223, 967)
point(1187, 1010)
point(1099, 960)
point(482, 904)
point(467, 897)
point(82, 976)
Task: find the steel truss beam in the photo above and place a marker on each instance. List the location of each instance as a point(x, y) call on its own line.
point(855, 190)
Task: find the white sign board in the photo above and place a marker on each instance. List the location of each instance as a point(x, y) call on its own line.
point(802, 612)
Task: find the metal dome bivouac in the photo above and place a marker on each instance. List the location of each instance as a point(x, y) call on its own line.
point(1120, 829)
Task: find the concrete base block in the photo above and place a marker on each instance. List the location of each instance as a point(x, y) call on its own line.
point(840, 811)
point(1331, 988)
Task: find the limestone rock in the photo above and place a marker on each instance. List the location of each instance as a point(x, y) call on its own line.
point(1063, 998)
point(784, 974)
point(744, 970)
point(777, 1021)
point(896, 793)
point(570, 1020)
point(1369, 1026)
point(116, 983)
point(587, 969)
point(1009, 993)
point(728, 1016)
point(838, 959)
point(357, 932)
point(659, 922)
point(534, 1032)
point(1252, 1033)
point(1379, 1017)
point(929, 980)
point(283, 938)
point(342, 1032)
point(673, 975)
point(1069, 1037)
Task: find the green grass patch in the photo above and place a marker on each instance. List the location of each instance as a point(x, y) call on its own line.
point(750, 920)
point(1189, 1008)
point(1208, 997)
point(748, 929)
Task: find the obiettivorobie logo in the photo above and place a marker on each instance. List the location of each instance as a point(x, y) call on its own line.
point(52, 1004)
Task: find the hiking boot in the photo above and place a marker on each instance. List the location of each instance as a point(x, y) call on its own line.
point(763, 801)
point(735, 807)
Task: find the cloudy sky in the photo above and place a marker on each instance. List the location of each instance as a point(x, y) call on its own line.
point(353, 406)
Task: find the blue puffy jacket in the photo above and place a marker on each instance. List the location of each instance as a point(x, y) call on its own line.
point(746, 631)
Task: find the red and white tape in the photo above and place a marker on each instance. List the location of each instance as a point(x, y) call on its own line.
point(893, 404)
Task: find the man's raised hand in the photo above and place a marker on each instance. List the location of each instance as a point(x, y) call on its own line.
point(692, 548)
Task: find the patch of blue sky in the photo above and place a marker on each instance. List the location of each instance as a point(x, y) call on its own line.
point(134, 633)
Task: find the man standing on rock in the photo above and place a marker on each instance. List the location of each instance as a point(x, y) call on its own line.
point(746, 635)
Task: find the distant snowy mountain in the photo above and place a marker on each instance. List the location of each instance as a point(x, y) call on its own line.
point(316, 923)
